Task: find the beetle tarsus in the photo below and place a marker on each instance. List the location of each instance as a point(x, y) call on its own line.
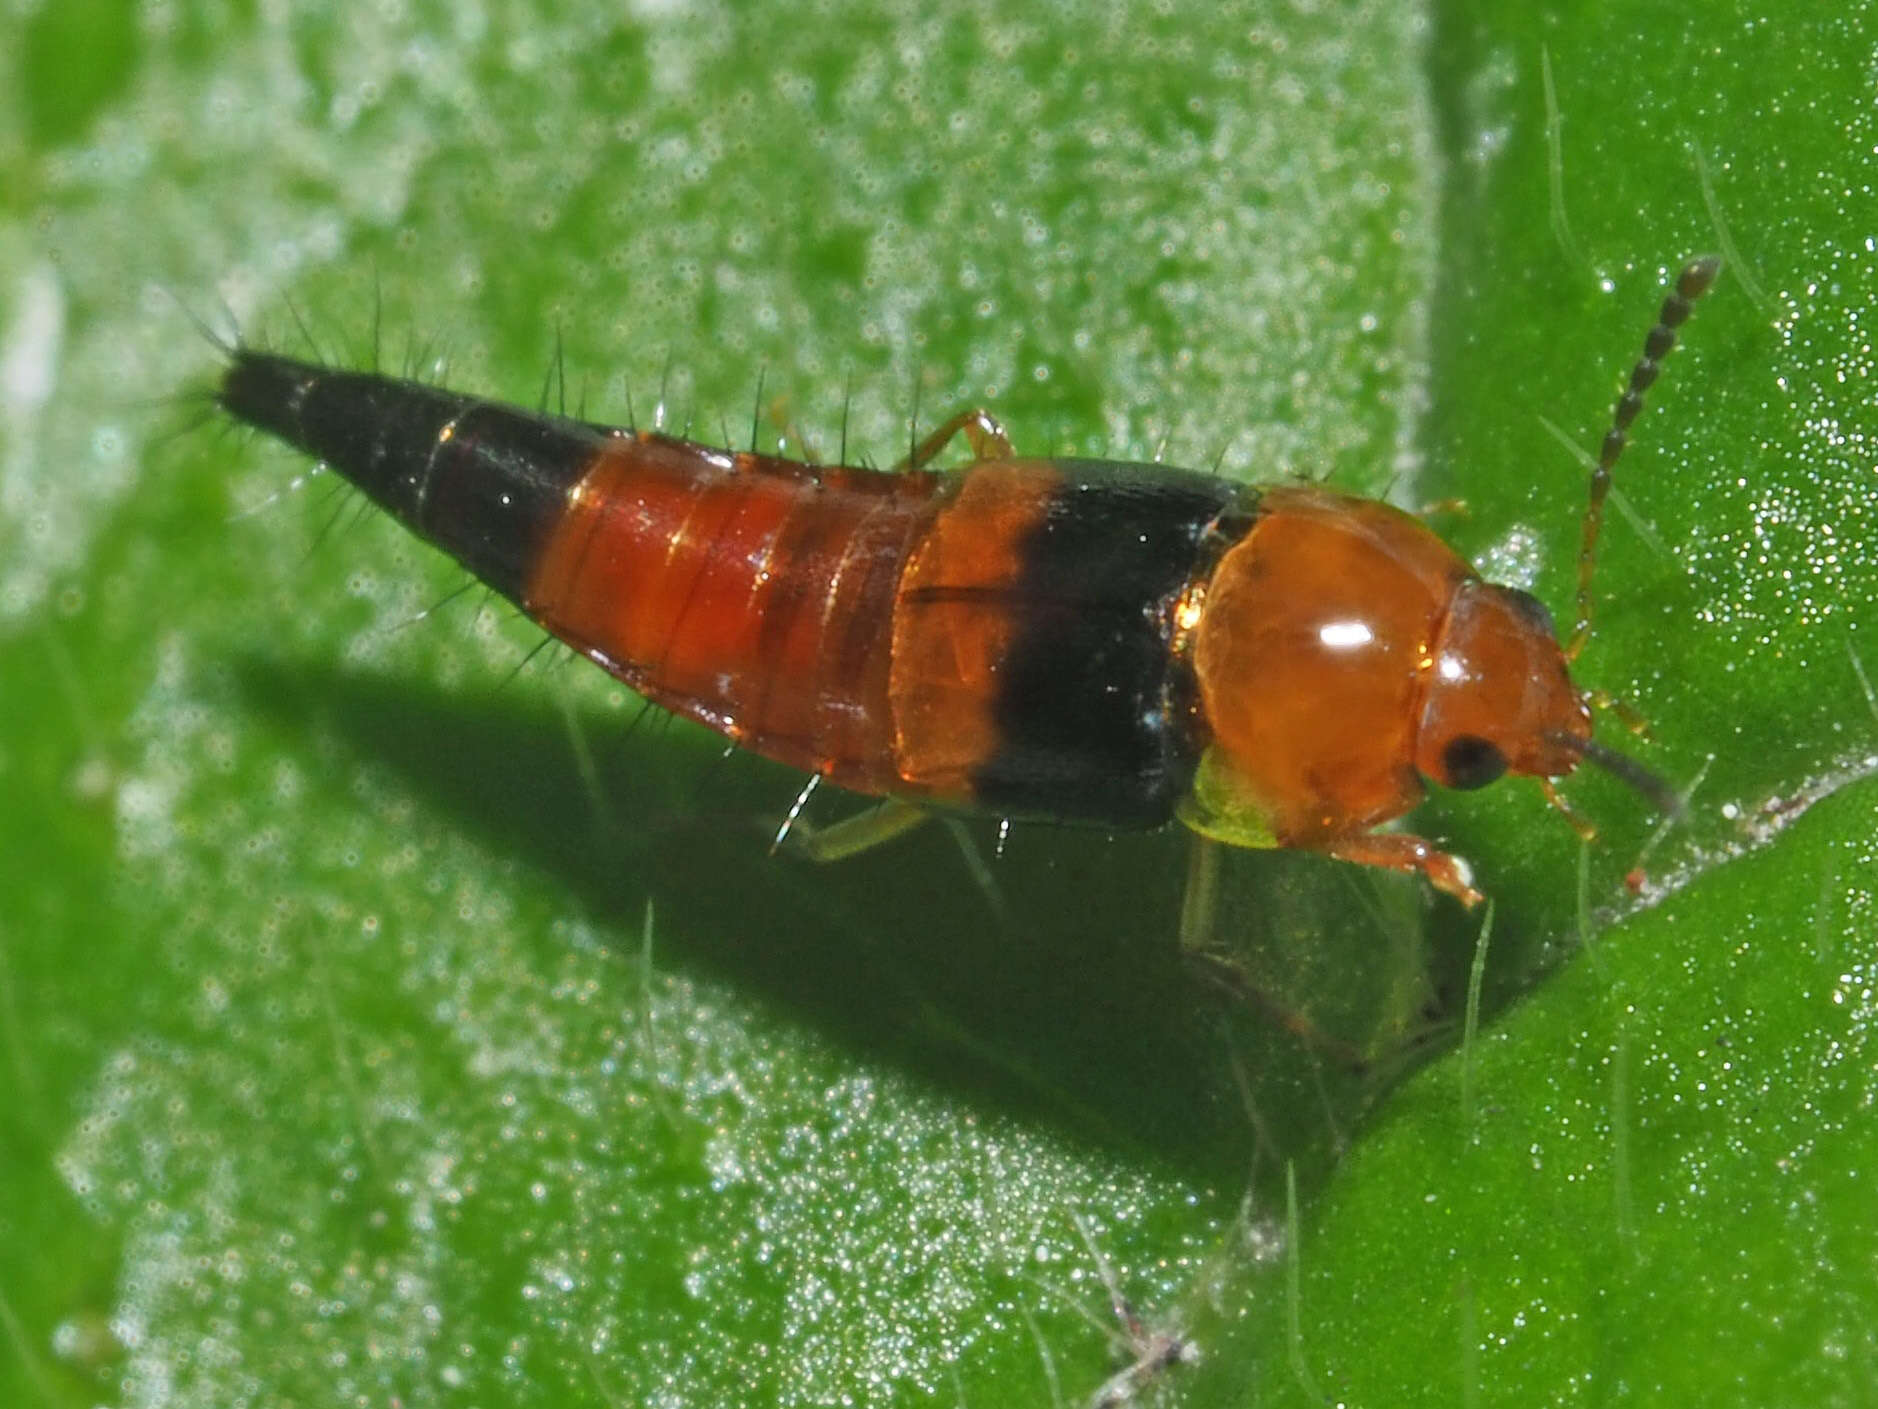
point(1411, 855)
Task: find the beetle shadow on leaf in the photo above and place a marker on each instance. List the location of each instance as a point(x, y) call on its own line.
point(1065, 996)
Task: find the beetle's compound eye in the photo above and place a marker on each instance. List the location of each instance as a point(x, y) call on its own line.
point(1469, 761)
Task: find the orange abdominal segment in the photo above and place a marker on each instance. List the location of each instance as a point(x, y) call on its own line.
point(748, 593)
point(954, 626)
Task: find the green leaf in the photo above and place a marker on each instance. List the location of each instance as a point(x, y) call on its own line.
point(386, 1028)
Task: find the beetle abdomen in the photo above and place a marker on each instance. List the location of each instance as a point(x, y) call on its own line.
point(1001, 638)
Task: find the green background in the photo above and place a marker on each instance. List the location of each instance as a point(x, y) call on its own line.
point(384, 1023)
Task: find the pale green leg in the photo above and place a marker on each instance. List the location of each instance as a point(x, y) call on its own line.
point(837, 841)
point(1200, 943)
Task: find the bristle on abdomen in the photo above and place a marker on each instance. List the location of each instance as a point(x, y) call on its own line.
point(484, 482)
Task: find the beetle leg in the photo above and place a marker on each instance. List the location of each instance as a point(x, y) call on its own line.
point(1199, 898)
point(1398, 851)
point(982, 431)
point(776, 412)
point(980, 871)
point(1626, 712)
point(837, 841)
point(1211, 961)
point(1587, 830)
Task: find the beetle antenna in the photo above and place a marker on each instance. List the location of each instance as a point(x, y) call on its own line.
point(1695, 280)
point(1625, 769)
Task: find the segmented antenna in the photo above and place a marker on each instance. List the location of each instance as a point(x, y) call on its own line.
point(1694, 281)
